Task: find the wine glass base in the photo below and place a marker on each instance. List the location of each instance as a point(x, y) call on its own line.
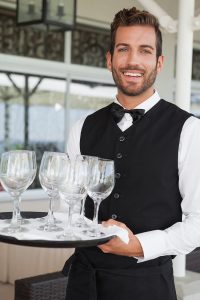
point(7, 221)
point(49, 228)
point(24, 221)
point(81, 223)
point(11, 229)
point(44, 219)
point(56, 221)
point(67, 236)
point(20, 220)
point(94, 233)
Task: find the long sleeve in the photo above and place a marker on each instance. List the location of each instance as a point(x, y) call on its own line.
point(73, 143)
point(182, 237)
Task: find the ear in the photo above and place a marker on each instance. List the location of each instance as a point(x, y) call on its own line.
point(160, 63)
point(109, 61)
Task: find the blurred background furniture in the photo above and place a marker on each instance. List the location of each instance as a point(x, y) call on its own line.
point(19, 262)
point(50, 286)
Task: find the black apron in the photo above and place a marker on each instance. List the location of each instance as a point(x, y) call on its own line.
point(86, 282)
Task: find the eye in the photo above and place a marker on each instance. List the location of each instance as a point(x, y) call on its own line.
point(146, 51)
point(122, 49)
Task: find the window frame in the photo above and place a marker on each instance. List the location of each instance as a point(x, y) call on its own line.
point(60, 70)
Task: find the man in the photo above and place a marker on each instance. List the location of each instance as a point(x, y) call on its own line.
point(156, 152)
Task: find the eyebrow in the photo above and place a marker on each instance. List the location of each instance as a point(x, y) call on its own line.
point(141, 46)
point(121, 44)
point(147, 46)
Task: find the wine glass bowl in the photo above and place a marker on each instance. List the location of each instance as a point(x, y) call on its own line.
point(89, 162)
point(73, 189)
point(100, 191)
point(17, 172)
point(100, 185)
point(16, 185)
point(51, 173)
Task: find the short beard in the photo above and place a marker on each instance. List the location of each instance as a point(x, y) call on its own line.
point(146, 85)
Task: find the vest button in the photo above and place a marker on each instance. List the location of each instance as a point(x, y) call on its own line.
point(119, 155)
point(122, 138)
point(116, 195)
point(114, 216)
point(117, 175)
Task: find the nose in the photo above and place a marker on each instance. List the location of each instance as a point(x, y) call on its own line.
point(134, 56)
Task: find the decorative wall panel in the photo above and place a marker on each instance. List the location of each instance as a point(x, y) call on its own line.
point(89, 46)
point(30, 42)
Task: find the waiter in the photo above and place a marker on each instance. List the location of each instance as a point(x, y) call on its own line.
point(155, 146)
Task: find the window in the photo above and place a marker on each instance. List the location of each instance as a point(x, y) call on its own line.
point(47, 83)
point(37, 112)
point(87, 97)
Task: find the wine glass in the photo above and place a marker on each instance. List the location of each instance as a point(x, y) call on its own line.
point(100, 185)
point(90, 162)
point(52, 171)
point(73, 189)
point(17, 172)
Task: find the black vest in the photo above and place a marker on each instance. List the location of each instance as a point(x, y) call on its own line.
point(146, 194)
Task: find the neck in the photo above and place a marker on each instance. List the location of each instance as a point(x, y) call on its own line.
point(130, 102)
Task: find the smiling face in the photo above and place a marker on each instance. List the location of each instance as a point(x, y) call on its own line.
point(134, 64)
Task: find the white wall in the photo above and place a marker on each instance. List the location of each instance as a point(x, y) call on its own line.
point(165, 81)
point(102, 11)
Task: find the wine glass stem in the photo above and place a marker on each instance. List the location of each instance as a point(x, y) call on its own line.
point(50, 212)
point(83, 207)
point(19, 217)
point(95, 218)
point(69, 221)
point(16, 211)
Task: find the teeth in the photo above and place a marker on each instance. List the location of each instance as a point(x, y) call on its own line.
point(133, 74)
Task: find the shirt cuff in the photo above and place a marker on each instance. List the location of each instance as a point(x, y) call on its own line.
point(153, 244)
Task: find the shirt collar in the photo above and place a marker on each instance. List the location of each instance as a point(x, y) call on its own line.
point(148, 103)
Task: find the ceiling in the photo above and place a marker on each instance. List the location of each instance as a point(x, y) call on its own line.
point(109, 7)
point(101, 12)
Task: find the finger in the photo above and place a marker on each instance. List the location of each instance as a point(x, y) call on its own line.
point(111, 222)
point(108, 222)
point(103, 248)
point(108, 244)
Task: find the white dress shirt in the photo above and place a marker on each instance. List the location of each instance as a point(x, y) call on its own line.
point(182, 237)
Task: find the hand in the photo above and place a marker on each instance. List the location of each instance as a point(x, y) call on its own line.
point(118, 247)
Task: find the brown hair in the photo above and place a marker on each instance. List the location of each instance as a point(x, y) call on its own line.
point(133, 16)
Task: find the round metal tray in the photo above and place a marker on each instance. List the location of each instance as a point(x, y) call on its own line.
point(48, 243)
